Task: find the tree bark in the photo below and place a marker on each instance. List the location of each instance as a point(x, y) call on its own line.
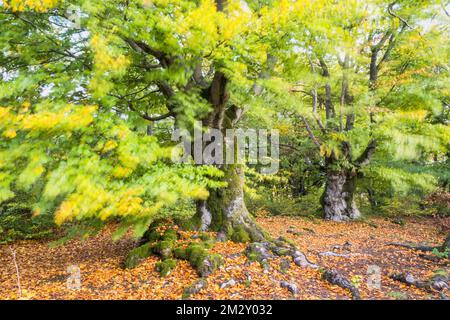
point(338, 198)
point(225, 211)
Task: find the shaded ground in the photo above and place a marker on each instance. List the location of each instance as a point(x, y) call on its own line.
point(44, 271)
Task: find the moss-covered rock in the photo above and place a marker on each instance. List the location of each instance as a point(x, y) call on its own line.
point(153, 236)
point(205, 237)
point(137, 255)
point(193, 223)
point(165, 267)
point(258, 251)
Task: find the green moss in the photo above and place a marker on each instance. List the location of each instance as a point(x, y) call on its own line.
point(216, 260)
point(193, 223)
point(194, 288)
point(287, 240)
point(205, 237)
point(180, 253)
point(165, 267)
point(252, 256)
point(240, 235)
point(137, 255)
point(196, 254)
point(282, 251)
point(208, 264)
point(153, 236)
point(163, 248)
point(208, 244)
point(170, 235)
point(199, 258)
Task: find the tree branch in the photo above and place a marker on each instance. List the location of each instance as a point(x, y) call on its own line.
point(310, 132)
point(366, 156)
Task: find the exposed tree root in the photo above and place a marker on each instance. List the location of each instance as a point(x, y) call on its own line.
point(412, 246)
point(442, 250)
point(438, 282)
point(263, 251)
point(336, 278)
point(164, 244)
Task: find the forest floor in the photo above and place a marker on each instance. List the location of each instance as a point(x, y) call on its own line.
point(44, 270)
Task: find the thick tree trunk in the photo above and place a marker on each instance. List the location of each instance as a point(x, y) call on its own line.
point(225, 211)
point(338, 198)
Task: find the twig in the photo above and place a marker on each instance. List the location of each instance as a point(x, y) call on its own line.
point(17, 271)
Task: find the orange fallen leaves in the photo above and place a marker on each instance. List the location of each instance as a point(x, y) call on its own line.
point(44, 274)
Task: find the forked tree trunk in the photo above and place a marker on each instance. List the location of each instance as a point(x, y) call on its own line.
point(338, 198)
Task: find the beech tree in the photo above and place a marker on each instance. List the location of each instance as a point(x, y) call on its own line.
point(92, 90)
point(369, 78)
point(81, 80)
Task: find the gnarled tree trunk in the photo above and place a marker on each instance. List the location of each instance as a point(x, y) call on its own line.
point(225, 211)
point(338, 198)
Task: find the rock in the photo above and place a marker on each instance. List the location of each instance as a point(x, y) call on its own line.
point(194, 288)
point(443, 296)
point(309, 230)
point(137, 255)
point(229, 283)
point(410, 278)
point(265, 265)
point(398, 221)
point(282, 250)
point(292, 287)
point(235, 255)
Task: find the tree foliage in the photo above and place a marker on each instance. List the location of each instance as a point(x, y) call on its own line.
point(83, 82)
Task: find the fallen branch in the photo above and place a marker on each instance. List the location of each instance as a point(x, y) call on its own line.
point(17, 271)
